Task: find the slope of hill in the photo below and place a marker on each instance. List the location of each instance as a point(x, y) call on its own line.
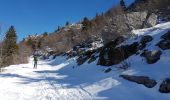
point(63, 79)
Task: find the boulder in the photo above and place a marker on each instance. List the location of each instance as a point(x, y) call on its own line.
point(146, 81)
point(151, 56)
point(85, 56)
point(136, 19)
point(111, 55)
point(166, 36)
point(92, 58)
point(165, 86)
point(82, 59)
point(144, 41)
point(152, 20)
point(107, 70)
point(164, 44)
point(115, 42)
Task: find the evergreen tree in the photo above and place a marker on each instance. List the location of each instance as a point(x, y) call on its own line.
point(122, 4)
point(10, 47)
point(67, 23)
point(45, 34)
point(86, 24)
point(30, 42)
point(58, 29)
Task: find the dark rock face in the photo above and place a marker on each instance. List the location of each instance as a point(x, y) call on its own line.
point(92, 58)
point(114, 43)
point(144, 41)
point(165, 86)
point(146, 81)
point(151, 56)
point(84, 57)
point(165, 43)
point(111, 55)
point(166, 36)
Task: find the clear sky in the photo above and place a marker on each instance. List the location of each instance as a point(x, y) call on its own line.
point(39, 16)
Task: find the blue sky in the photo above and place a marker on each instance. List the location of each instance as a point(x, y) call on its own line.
point(39, 16)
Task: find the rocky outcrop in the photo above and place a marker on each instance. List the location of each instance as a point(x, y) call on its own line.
point(111, 55)
point(85, 56)
point(164, 44)
point(146, 81)
point(165, 86)
point(151, 56)
point(136, 19)
point(144, 41)
point(92, 59)
point(166, 36)
point(124, 23)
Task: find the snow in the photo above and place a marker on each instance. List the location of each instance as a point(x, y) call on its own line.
point(62, 79)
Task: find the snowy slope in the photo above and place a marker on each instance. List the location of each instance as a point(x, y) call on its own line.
point(62, 79)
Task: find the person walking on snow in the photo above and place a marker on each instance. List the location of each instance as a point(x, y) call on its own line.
point(35, 61)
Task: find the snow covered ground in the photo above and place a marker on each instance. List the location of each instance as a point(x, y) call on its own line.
point(62, 79)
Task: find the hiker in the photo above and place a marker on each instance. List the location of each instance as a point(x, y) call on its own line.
point(35, 61)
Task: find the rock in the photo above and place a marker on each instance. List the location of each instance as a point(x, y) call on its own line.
point(146, 39)
point(115, 42)
point(146, 81)
point(165, 86)
point(152, 20)
point(111, 55)
point(92, 59)
point(151, 56)
point(107, 70)
point(85, 56)
point(164, 44)
point(136, 19)
point(166, 36)
point(81, 60)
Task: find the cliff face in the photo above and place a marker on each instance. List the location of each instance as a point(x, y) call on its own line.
point(160, 7)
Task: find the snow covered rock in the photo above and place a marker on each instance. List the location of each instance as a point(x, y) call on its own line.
point(146, 81)
point(165, 86)
point(151, 56)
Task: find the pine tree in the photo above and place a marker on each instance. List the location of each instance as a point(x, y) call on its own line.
point(58, 29)
point(30, 42)
point(45, 34)
point(122, 4)
point(86, 24)
point(67, 23)
point(10, 47)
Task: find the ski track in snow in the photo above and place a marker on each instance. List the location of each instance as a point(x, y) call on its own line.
point(24, 83)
